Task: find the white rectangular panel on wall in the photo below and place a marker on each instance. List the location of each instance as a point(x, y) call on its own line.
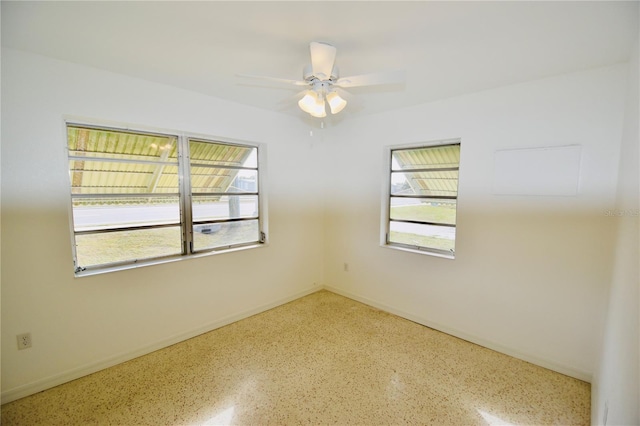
point(537, 171)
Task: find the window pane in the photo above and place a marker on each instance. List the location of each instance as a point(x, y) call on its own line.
point(88, 142)
point(107, 177)
point(99, 249)
point(225, 234)
point(434, 157)
point(219, 154)
point(423, 210)
point(430, 236)
point(124, 180)
point(444, 183)
point(227, 207)
point(105, 213)
point(423, 196)
point(207, 179)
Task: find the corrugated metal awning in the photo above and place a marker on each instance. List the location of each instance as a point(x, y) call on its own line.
point(426, 171)
point(106, 161)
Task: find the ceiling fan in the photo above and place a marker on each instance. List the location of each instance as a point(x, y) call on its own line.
point(323, 81)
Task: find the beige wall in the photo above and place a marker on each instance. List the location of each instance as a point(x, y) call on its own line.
point(530, 273)
point(80, 324)
point(615, 390)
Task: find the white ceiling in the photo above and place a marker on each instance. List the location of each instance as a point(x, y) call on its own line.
point(446, 48)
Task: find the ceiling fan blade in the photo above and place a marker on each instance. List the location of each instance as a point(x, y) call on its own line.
point(293, 99)
point(323, 56)
point(344, 94)
point(275, 79)
point(390, 77)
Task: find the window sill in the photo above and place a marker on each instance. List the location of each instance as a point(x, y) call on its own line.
point(151, 262)
point(423, 251)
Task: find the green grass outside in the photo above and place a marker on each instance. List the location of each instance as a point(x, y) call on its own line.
point(442, 213)
point(421, 240)
point(100, 249)
point(424, 212)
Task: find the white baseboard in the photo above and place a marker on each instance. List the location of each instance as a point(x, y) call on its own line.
point(75, 373)
point(548, 364)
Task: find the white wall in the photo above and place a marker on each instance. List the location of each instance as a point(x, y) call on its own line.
point(615, 393)
point(530, 273)
point(81, 324)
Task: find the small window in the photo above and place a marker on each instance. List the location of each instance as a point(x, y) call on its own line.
point(140, 196)
point(422, 198)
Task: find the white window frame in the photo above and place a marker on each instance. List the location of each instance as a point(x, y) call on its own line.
point(385, 221)
point(186, 218)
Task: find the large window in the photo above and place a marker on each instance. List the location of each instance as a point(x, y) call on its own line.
point(422, 197)
point(140, 196)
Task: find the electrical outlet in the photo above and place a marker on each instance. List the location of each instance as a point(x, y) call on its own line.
point(24, 340)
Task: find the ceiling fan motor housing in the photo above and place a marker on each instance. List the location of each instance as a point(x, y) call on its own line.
point(307, 74)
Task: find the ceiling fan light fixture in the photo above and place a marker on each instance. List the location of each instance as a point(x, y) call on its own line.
point(313, 103)
point(309, 101)
point(319, 110)
point(336, 103)
point(318, 114)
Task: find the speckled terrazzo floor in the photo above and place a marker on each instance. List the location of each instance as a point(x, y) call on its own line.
point(322, 359)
